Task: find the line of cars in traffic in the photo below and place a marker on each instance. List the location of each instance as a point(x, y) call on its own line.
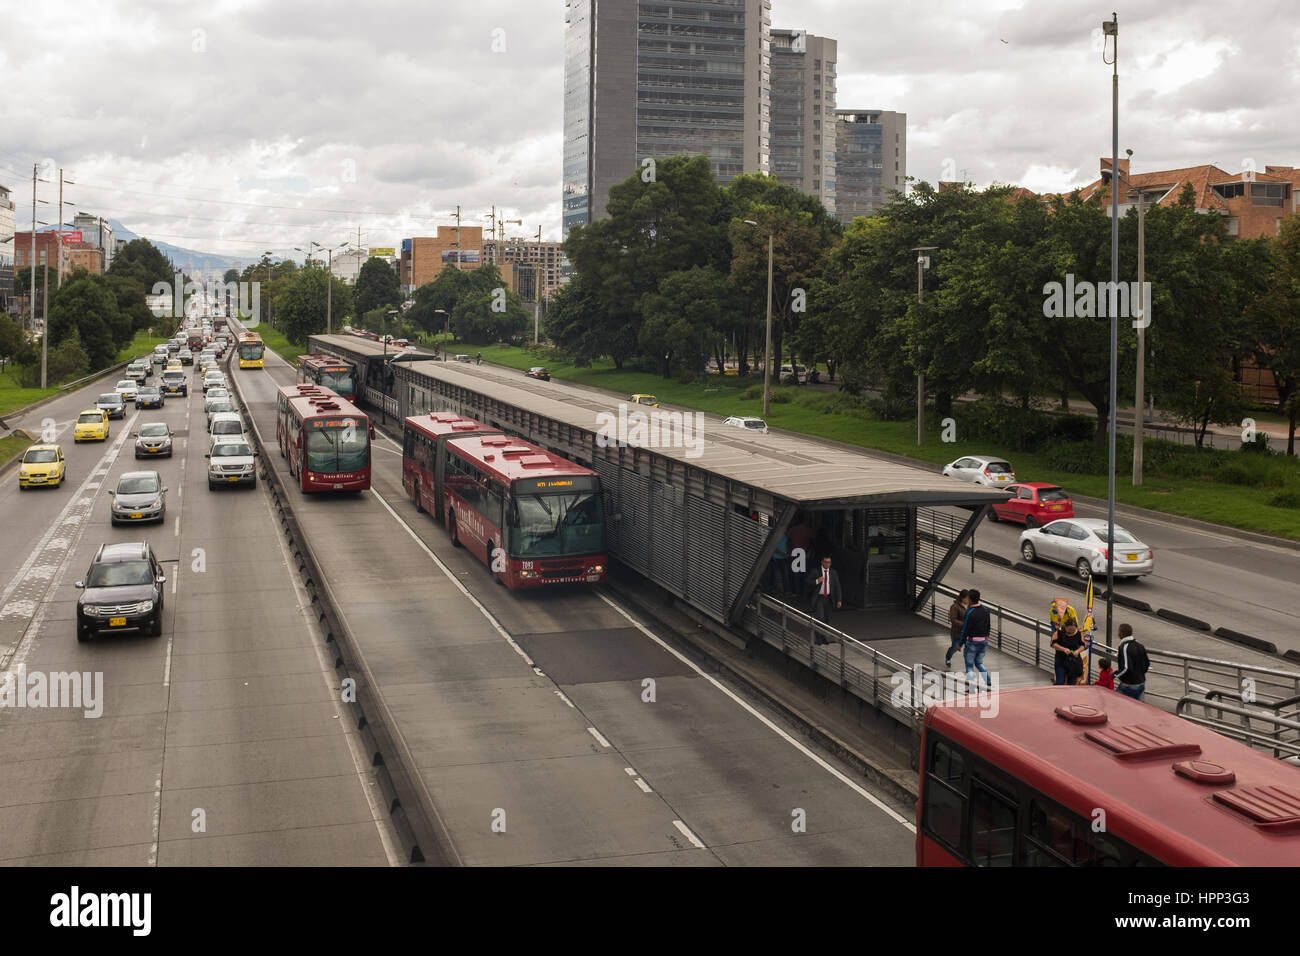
point(122, 589)
point(1052, 531)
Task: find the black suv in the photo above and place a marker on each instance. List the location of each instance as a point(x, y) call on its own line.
point(122, 591)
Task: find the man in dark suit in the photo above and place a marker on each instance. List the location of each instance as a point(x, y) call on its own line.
point(825, 593)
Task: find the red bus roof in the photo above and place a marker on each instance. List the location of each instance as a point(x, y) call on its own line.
point(507, 458)
point(249, 336)
point(1162, 780)
point(316, 401)
point(440, 424)
point(323, 362)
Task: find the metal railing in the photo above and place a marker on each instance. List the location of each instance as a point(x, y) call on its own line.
point(1262, 729)
point(1029, 640)
point(903, 690)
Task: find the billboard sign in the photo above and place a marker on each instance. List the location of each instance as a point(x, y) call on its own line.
point(72, 237)
point(384, 251)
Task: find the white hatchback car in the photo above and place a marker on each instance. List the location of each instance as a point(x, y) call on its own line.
point(747, 422)
point(982, 470)
point(1080, 543)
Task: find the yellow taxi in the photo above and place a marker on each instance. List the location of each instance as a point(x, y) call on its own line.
point(639, 399)
point(42, 466)
point(91, 425)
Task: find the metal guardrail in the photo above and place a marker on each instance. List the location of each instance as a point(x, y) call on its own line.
point(1271, 736)
point(1030, 641)
point(857, 667)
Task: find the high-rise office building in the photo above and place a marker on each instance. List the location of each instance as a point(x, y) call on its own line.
point(97, 231)
point(656, 78)
point(7, 230)
point(803, 113)
point(871, 160)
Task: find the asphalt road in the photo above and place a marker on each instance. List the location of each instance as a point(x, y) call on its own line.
point(219, 742)
point(1224, 580)
point(551, 728)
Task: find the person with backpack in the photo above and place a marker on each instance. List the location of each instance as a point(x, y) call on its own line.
point(975, 635)
point(1131, 675)
point(1068, 644)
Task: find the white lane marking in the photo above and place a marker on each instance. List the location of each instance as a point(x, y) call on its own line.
point(599, 739)
point(178, 526)
point(452, 578)
point(176, 577)
point(560, 694)
point(889, 811)
point(645, 787)
point(167, 665)
point(180, 492)
point(695, 841)
point(157, 820)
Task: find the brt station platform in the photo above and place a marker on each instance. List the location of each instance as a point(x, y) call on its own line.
point(698, 508)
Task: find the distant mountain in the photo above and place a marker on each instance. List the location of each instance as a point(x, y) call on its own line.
point(187, 260)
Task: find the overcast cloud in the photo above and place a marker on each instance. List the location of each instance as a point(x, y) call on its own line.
point(238, 126)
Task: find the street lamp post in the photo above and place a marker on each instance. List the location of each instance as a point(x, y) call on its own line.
point(329, 289)
point(767, 354)
point(922, 263)
point(447, 334)
point(1110, 28)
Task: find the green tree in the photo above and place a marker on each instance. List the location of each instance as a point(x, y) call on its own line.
point(440, 296)
point(673, 222)
point(1274, 337)
point(88, 308)
point(376, 286)
point(134, 313)
point(574, 322)
point(300, 303)
point(65, 362)
point(484, 316)
point(24, 276)
point(13, 340)
point(683, 319)
point(230, 275)
point(144, 262)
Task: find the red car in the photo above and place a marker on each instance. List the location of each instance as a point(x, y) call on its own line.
point(1035, 503)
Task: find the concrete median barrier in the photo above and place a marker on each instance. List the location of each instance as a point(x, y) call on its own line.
point(1194, 623)
point(1268, 647)
point(995, 558)
point(1037, 572)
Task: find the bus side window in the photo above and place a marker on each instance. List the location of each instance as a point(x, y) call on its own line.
point(945, 801)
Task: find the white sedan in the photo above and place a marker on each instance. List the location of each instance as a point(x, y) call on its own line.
point(749, 423)
point(982, 470)
point(1080, 543)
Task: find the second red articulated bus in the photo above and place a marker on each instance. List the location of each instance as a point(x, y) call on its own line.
point(533, 517)
point(1085, 776)
point(325, 437)
point(329, 372)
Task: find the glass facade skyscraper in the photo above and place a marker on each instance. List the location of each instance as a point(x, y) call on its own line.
point(658, 78)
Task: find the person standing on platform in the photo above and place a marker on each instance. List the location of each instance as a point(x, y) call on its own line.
point(1131, 675)
point(826, 594)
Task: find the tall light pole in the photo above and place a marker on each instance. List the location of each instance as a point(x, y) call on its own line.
point(63, 182)
point(1110, 28)
point(767, 354)
point(922, 263)
point(329, 288)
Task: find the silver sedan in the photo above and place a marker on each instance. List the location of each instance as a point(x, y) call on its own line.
point(1080, 543)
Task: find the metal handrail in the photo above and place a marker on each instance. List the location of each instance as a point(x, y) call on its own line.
point(1243, 731)
point(1196, 673)
point(881, 679)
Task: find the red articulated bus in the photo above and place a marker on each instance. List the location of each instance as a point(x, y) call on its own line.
point(540, 516)
point(1085, 776)
point(424, 440)
point(329, 372)
point(325, 437)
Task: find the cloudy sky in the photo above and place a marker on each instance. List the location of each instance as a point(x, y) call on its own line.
point(239, 126)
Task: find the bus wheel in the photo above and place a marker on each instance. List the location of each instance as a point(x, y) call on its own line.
point(451, 529)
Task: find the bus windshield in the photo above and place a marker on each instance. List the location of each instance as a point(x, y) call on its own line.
point(251, 350)
point(338, 448)
point(340, 382)
point(557, 524)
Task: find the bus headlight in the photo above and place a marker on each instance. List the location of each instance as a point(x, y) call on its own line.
point(596, 569)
